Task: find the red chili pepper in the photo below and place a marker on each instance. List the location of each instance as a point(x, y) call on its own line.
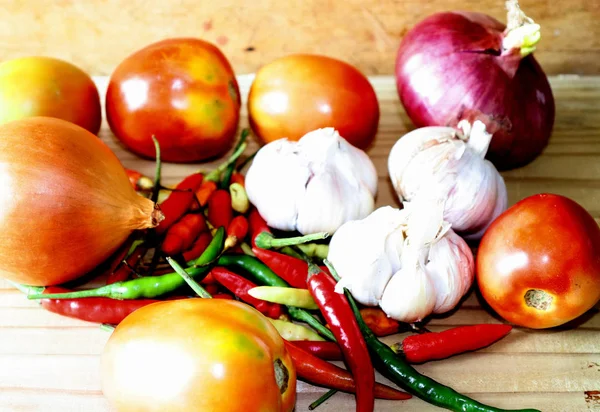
point(99, 310)
point(220, 212)
point(319, 372)
point(199, 246)
point(222, 296)
point(257, 225)
point(240, 286)
point(138, 180)
point(289, 268)
point(379, 323)
point(237, 177)
point(212, 288)
point(340, 318)
point(236, 231)
point(181, 235)
point(179, 201)
point(321, 349)
point(122, 272)
point(440, 345)
point(204, 192)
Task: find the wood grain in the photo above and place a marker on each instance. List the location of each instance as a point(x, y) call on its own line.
point(51, 363)
point(97, 35)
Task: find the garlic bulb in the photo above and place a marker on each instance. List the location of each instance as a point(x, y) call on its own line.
point(409, 262)
point(313, 185)
point(442, 163)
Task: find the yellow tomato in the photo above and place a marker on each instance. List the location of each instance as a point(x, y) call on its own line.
point(198, 355)
point(44, 86)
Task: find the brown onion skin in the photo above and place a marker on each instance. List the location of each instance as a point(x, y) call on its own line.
point(66, 203)
point(449, 67)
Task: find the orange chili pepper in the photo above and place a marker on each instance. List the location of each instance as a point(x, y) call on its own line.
point(379, 322)
point(204, 192)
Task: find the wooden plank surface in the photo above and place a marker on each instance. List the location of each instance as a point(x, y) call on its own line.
point(97, 35)
point(51, 363)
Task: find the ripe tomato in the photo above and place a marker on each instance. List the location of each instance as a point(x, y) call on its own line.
point(198, 355)
point(296, 94)
point(43, 86)
point(538, 264)
point(184, 92)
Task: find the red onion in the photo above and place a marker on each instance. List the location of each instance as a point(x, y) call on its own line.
point(462, 65)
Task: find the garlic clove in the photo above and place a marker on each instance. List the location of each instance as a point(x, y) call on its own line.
point(356, 252)
point(451, 269)
point(407, 147)
point(409, 295)
point(277, 165)
point(366, 253)
point(318, 210)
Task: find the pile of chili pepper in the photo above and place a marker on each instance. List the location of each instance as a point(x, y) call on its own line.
point(215, 243)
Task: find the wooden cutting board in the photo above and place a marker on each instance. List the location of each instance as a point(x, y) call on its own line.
point(51, 363)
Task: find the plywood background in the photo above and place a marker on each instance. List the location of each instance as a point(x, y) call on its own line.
point(98, 34)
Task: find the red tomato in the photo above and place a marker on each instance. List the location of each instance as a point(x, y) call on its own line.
point(198, 355)
point(294, 95)
point(43, 86)
point(538, 264)
point(184, 92)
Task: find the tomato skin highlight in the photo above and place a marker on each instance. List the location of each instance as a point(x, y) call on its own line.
point(299, 93)
point(45, 86)
point(181, 90)
point(545, 246)
point(196, 355)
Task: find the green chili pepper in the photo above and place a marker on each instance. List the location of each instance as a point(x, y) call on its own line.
point(151, 286)
point(292, 331)
point(301, 298)
point(258, 271)
point(262, 275)
point(404, 375)
point(314, 250)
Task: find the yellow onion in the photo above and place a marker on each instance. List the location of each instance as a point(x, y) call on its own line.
point(66, 203)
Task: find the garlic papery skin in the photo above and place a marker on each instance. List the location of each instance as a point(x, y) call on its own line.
point(409, 262)
point(443, 163)
point(313, 185)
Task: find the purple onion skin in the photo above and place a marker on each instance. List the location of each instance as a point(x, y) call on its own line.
point(450, 67)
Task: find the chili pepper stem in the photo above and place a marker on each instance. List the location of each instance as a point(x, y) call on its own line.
point(231, 166)
point(266, 240)
point(304, 316)
point(246, 161)
point(26, 289)
point(107, 328)
point(241, 146)
point(200, 291)
point(92, 293)
point(332, 270)
point(322, 399)
point(157, 172)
